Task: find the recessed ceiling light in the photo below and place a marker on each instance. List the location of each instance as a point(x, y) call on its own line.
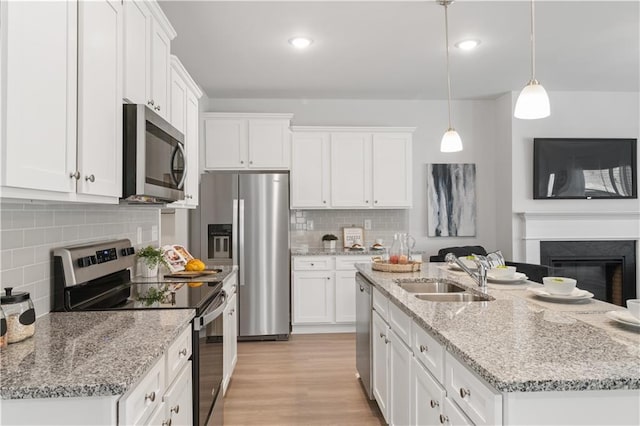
point(467, 44)
point(300, 42)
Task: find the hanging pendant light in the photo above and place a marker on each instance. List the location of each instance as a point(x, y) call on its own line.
point(533, 102)
point(451, 141)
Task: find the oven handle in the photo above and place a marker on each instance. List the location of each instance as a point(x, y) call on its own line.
point(208, 317)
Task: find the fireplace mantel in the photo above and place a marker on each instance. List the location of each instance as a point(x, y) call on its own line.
point(575, 226)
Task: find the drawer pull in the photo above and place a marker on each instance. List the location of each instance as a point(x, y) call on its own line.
point(434, 403)
point(361, 288)
point(423, 348)
point(444, 419)
point(382, 335)
point(464, 392)
point(175, 409)
point(166, 422)
point(150, 396)
point(183, 352)
point(386, 340)
point(312, 264)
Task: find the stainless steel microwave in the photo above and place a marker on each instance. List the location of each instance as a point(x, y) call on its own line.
point(154, 161)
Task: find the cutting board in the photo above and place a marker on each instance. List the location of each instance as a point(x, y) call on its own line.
point(193, 274)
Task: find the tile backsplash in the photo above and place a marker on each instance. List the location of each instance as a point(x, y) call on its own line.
point(308, 226)
point(29, 232)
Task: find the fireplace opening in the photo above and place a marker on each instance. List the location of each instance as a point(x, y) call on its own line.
point(605, 268)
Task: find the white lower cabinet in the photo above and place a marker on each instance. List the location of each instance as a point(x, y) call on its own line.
point(453, 415)
point(380, 361)
point(400, 357)
point(312, 296)
point(230, 336)
point(177, 401)
point(427, 396)
point(345, 296)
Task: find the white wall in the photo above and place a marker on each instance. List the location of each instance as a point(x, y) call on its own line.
point(474, 120)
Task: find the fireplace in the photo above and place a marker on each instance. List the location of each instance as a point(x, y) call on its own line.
point(605, 268)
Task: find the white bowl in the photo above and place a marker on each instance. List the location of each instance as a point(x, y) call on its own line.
point(502, 272)
point(559, 285)
point(633, 305)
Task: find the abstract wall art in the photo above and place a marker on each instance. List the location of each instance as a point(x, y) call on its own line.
point(451, 200)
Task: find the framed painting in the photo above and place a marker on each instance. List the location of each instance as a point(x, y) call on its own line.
point(451, 200)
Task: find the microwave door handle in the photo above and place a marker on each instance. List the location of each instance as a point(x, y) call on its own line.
point(180, 184)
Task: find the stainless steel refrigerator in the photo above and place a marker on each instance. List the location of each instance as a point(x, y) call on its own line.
point(243, 219)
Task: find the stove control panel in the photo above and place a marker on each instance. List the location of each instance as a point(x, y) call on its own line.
point(127, 251)
point(106, 255)
point(85, 261)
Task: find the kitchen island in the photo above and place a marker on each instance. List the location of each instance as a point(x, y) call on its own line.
point(540, 362)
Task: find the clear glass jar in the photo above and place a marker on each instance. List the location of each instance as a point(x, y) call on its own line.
point(3, 330)
point(20, 315)
point(398, 253)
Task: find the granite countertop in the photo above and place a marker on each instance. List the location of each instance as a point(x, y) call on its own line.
point(520, 344)
point(82, 354)
point(319, 251)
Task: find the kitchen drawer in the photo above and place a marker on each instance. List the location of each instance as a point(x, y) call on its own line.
point(346, 263)
point(231, 285)
point(428, 351)
point(178, 399)
point(481, 403)
point(136, 406)
point(400, 323)
point(178, 354)
point(380, 304)
point(453, 415)
point(310, 263)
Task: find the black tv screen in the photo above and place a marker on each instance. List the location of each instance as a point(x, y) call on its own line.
point(584, 168)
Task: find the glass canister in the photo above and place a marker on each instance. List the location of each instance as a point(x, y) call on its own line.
point(3, 330)
point(398, 253)
point(20, 315)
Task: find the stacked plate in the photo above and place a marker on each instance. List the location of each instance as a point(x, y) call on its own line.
point(575, 296)
point(516, 278)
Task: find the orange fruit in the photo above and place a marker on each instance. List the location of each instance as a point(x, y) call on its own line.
point(194, 265)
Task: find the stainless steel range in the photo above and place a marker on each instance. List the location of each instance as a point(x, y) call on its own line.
point(97, 276)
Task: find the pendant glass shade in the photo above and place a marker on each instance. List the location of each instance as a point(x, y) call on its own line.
point(451, 141)
point(533, 102)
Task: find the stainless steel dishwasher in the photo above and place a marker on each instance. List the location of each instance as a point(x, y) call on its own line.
point(363, 332)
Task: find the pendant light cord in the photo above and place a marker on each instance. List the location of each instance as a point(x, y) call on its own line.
point(533, 44)
point(446, 37)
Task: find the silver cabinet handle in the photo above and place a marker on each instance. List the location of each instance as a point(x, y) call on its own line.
point(166, 422)
point(175, 409)
point(443, 419)
point(366, 201)
point(250, 162)
point(157, 108)
point(376, 202)
point(361, 288)
point(386, 340)
point(150, 102)
point(241, 162)
point(324, 201)
point(312, 264)
point(328, 278)
point(90, 178)
point(75, 175)
point(381, 335)
point(150, 396)
point(464, 392)
point(423, 348)
point(230, 313)
point(434, 403)
point(183, 352)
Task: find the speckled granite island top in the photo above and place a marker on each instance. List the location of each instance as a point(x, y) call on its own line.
point(520, 346)
point(319, 251)
point(78, 354)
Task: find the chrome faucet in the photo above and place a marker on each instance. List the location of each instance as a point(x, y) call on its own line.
point(482, 264)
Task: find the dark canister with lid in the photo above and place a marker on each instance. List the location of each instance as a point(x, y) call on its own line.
point(20, 315)
point(3, 330)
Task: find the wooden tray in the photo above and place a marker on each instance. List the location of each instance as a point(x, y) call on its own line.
point(192, 274)
point(396, 267)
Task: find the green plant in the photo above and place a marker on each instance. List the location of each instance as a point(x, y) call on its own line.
point(152, 256)
point(329, 237)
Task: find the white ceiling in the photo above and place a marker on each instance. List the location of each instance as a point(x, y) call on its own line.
point(396, 49)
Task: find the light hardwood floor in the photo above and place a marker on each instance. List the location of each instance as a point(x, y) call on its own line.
point(308, 380)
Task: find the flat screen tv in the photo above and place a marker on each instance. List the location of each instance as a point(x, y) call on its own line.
point(584, 168)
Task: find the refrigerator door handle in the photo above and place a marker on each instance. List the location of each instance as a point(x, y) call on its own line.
point(241, 243)
point(234, 233)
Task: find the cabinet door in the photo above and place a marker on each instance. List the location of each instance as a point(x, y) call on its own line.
point(159, 76)
point(137, 28)
point(310, 170)
point(178, 102)
point(346, 296)
point(178, 400)
point(40, 93)
point(230, 340)
point(400, 357)
point(192, 144)
point(233, 336)
point(380, 357)
point(427, 396)
point(313, 297)
point(453, 415)
point(225, 143)
point(351, 170)
point(269, 144)
point(100, 97)
point(391, 159)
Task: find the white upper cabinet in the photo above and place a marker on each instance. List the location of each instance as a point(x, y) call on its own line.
point(159, 83)
point(100, 98)
point(363, 167)
point(39, 118)
point(247, 141)
point(137, 36)
point(310, 170)
point(184, 116)
point(73, 149)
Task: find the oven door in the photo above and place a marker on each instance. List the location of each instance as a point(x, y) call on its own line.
point(208, 363)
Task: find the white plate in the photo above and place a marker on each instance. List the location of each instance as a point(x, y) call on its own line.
point(518, 277)
point(624, 317)
point(576, 295)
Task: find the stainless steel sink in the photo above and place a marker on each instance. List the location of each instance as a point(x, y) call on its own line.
point(430, 287)
point(454, 297)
